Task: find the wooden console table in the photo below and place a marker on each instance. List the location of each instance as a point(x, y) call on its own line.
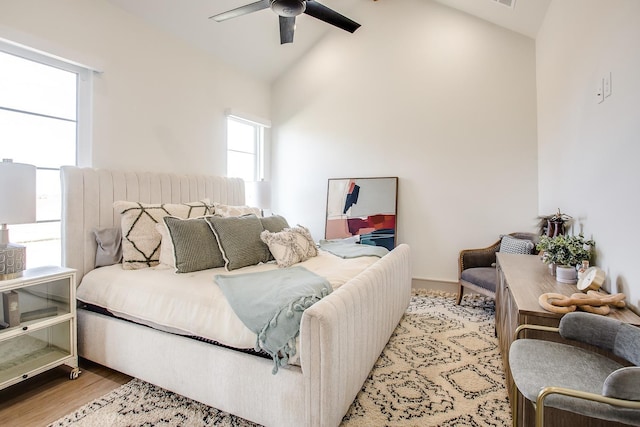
point(521, 280)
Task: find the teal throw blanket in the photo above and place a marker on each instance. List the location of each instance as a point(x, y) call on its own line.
point(352, 250)
point(270, 303)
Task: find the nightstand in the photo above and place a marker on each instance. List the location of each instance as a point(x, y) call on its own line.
point(38, 324)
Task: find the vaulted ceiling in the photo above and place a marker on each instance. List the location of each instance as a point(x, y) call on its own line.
point(251, 42)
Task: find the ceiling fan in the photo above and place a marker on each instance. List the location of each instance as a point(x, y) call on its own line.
point(287, 11)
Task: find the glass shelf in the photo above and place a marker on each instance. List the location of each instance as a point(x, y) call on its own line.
point(38, 330)
point(30, 351)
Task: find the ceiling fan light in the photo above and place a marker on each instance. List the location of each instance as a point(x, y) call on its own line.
point(289, 8)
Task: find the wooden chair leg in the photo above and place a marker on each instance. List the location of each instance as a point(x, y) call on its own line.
point(460, 290)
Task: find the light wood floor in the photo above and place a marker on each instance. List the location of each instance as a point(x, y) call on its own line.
point(49, 396)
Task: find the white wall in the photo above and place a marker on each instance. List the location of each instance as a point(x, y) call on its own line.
point(588, 152)
point(159, 104)
point(443, 100)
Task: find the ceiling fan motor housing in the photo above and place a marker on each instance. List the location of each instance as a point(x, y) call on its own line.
point(288, 8)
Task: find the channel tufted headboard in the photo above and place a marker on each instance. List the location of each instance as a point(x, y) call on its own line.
point(88, 195)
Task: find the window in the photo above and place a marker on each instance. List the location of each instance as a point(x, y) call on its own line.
point(44, 107)
point(245, 147)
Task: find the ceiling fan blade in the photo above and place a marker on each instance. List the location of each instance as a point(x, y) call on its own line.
point(242, 10)
point(330, 16)
point(287, 26)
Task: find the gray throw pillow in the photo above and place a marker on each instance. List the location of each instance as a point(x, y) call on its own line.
point(195, 246)
point(109, 250)
point(274, 223)
point(239, 240)
point(511, 245)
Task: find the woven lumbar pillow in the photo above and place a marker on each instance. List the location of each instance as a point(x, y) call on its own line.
point(290, 246)
point(283, 245)
point(140, 239)
point(310, 249)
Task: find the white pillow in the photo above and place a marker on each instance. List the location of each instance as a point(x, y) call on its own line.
point(227, 210)
point(140, 239)
point(166, 246)
point(290, 246)
point(308, 249)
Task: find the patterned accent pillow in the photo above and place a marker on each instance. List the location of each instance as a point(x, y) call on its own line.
point(511, 245)
point(195, 246)
point(226, 210)
point(239, 240)
point(290, 246)
point(274, 224)
point(310, 249)
point(140, 239)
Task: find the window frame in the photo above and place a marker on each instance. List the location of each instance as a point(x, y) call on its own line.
point(259, 125)
point(84, 104)
point(84, 88)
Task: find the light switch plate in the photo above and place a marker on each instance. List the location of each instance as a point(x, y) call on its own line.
point(607, 85)
point(600, 91)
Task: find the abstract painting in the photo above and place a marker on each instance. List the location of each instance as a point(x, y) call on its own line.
point(364, 208)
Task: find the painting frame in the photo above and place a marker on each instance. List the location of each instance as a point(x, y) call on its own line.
point(363, 210)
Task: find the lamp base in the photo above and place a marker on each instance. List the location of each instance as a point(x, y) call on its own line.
point(13, 261)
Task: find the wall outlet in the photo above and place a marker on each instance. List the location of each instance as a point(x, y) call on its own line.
point(600, 91)
point(607, 85)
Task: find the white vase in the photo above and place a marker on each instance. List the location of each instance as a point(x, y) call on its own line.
point(566, 274)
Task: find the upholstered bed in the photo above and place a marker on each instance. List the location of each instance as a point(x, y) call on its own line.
point(341, 335)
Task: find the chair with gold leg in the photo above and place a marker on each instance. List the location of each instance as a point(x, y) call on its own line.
point(574, 379)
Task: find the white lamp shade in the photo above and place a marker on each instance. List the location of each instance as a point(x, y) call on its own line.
point(17, 193)
point(258, 194)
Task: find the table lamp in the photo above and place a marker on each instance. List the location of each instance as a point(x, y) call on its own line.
point(258, 194)
point(17, 206)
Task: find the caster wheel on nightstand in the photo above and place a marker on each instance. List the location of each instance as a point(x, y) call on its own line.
point(75, 373)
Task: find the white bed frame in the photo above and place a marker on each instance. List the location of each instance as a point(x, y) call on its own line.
point(341, 336)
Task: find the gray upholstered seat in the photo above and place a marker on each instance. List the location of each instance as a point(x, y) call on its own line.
point(476, 267)
point(485, 277)
point(578, 380)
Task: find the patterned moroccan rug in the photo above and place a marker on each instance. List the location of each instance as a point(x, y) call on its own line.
point(441, 367)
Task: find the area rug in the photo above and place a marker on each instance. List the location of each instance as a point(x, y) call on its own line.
point(441, 367)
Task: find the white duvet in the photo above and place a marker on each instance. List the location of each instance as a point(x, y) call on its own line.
point(192, 303)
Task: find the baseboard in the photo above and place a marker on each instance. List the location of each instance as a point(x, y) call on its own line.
point(437, 285)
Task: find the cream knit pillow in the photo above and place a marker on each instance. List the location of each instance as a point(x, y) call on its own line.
point(290, 246)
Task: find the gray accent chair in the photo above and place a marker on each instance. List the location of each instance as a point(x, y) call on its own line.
point(575, 379)
point(477, 267)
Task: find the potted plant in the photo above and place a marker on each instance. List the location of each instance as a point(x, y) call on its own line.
point(552, 225)
point(565, 253)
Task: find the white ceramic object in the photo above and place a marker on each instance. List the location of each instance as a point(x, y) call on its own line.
point(566, 274)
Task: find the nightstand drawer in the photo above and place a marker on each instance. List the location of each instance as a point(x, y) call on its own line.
point(26, 305)
point(34, 351)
